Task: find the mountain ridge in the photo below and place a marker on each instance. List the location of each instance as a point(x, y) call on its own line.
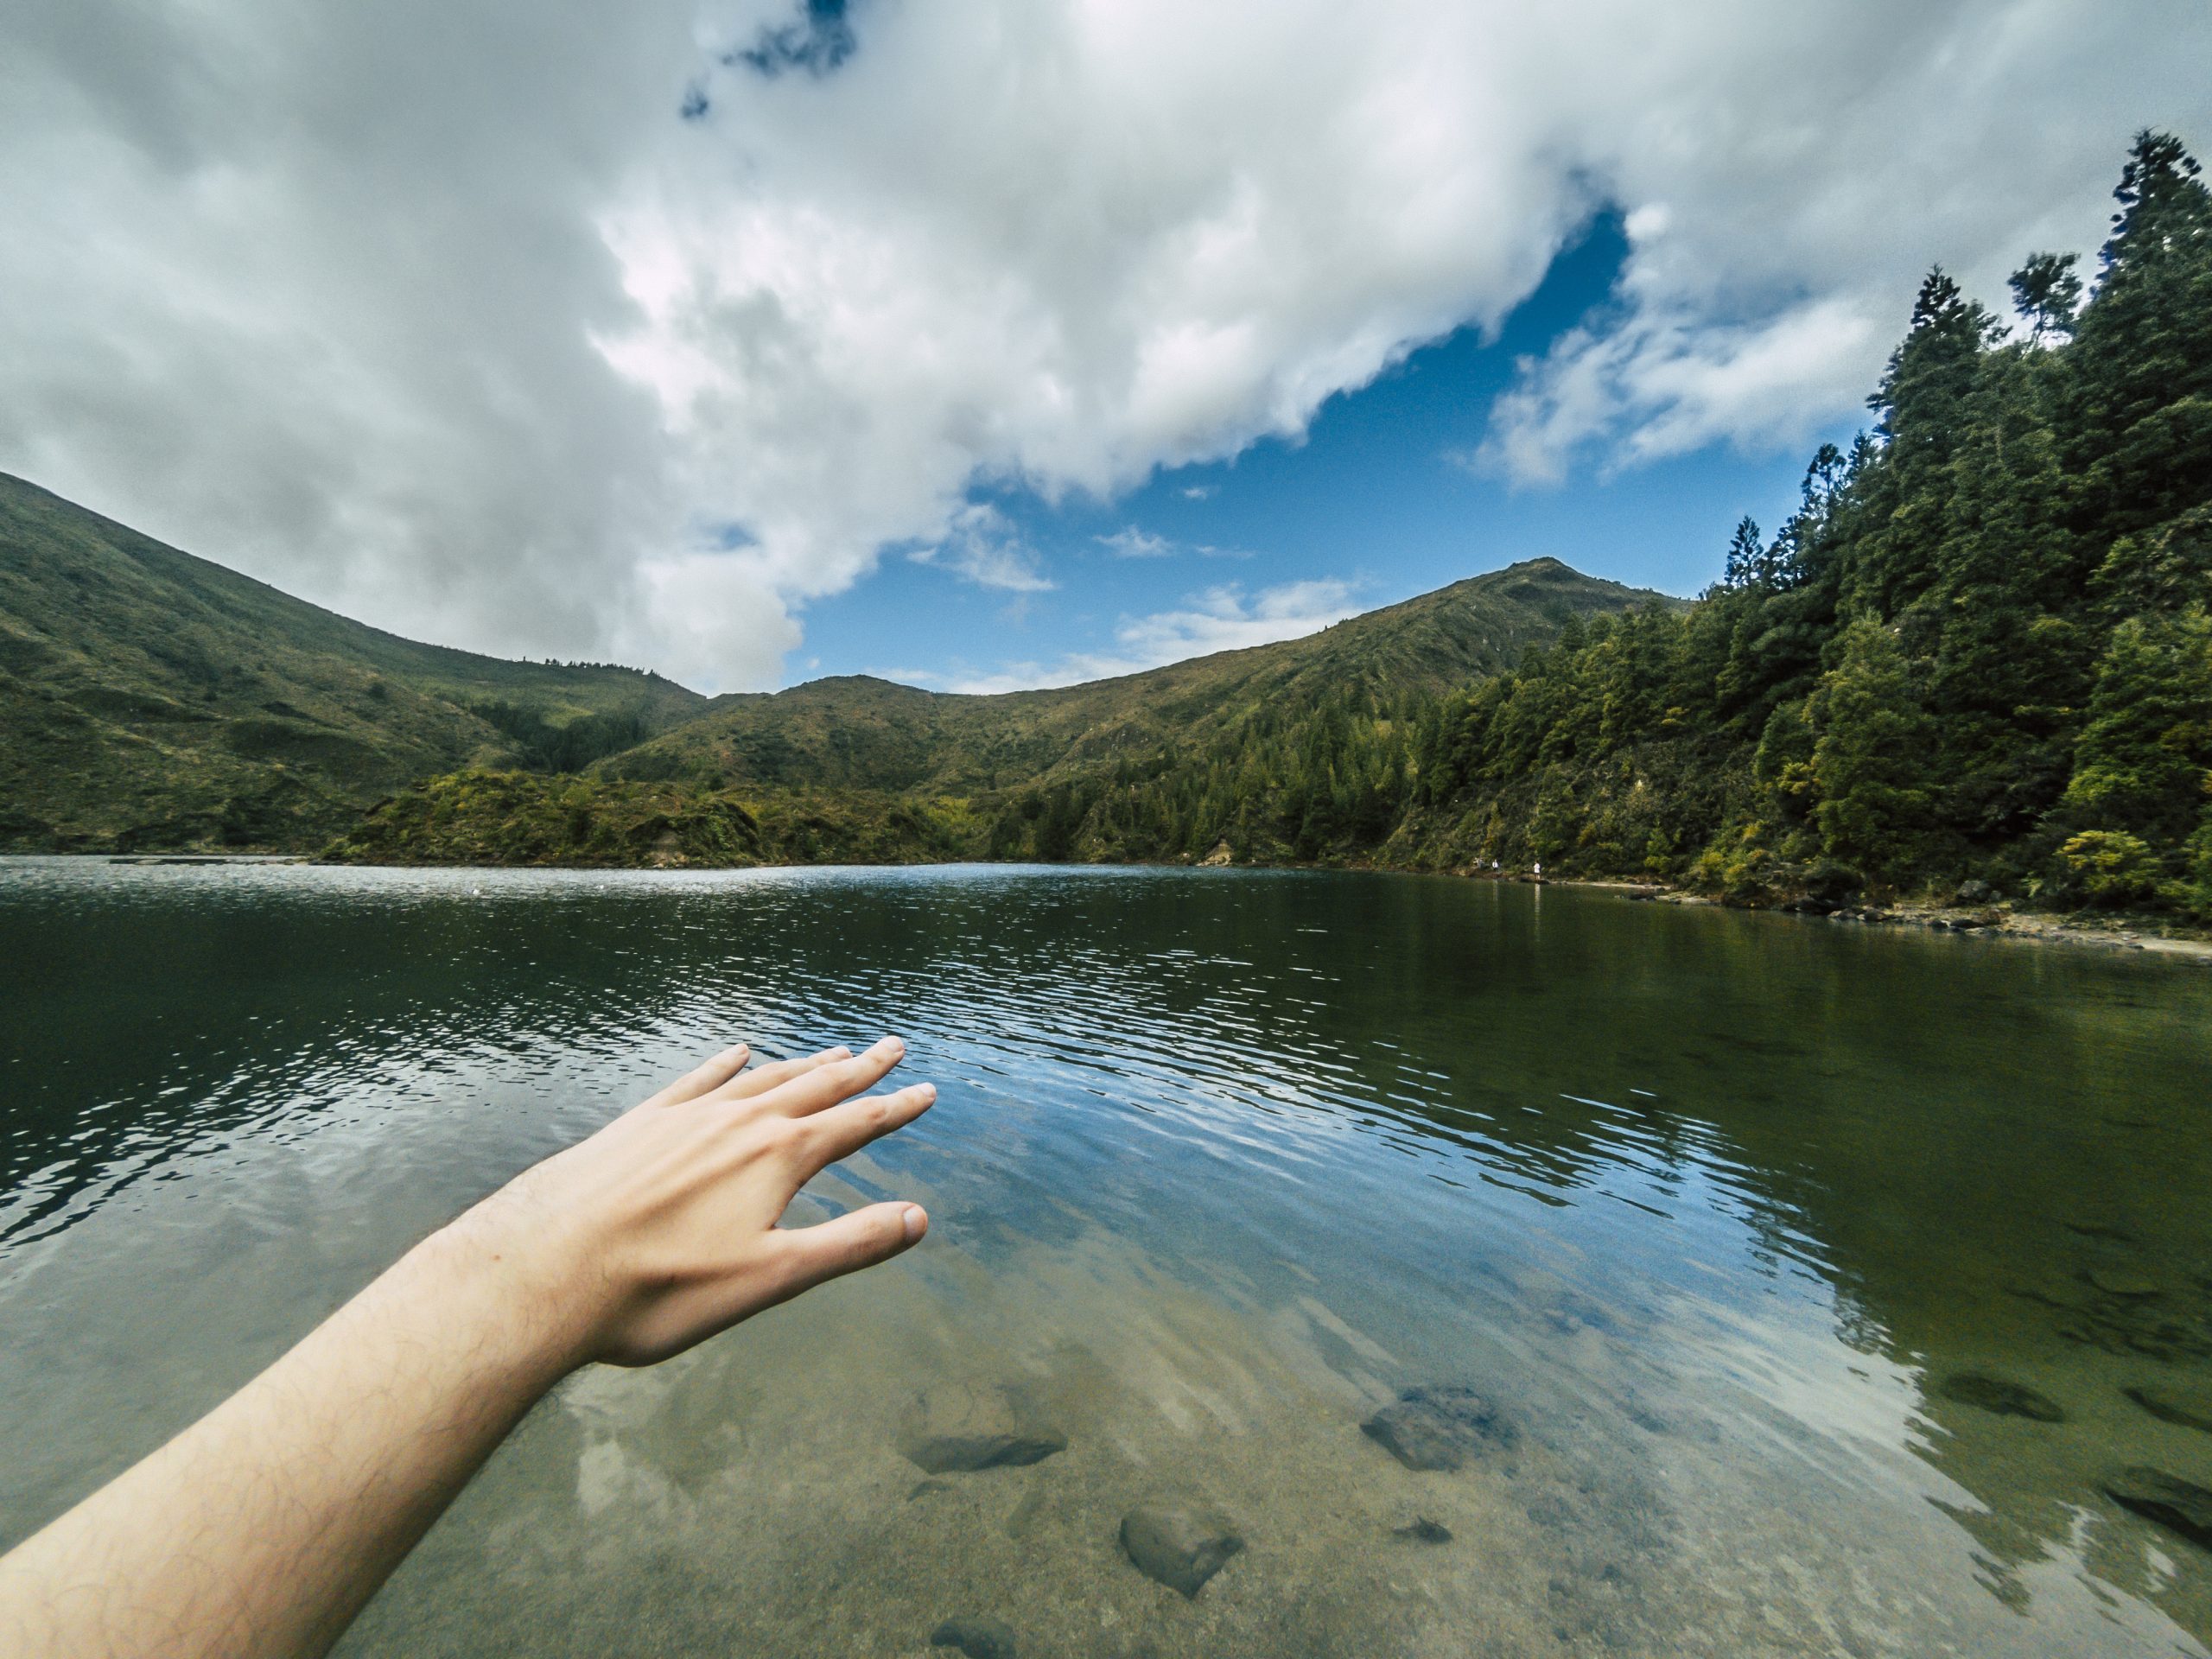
point(1423, 646)
point(153, 700)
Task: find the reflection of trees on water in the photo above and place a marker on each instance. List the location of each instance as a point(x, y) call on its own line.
point(1995, 1156)
point(1986, 1150)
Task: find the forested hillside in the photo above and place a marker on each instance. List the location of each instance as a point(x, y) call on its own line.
point(152, 699)
point(1298, 750)
point(1978, 650)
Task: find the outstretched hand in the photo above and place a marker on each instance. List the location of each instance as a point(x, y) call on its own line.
point(661, 1230)
point(262, 1529)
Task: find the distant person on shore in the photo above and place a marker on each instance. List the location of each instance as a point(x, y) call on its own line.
point(267, 1525)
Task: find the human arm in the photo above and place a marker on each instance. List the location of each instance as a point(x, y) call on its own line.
point(267, 1525)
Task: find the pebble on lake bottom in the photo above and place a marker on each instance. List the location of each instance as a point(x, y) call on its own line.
point(1424, 1531)
point(1996, 1395)
point(962, 1430)
point(2168, 1408)
point(2123, 1282)
point(979, 1638)
point(2178, 1505)
point(1181, 1546)
point(1438, 1428)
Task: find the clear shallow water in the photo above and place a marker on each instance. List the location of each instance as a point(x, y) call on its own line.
point(1712, 1206)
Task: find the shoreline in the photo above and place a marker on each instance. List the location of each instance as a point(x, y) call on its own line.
point(1999, 920)
point(2122, 932)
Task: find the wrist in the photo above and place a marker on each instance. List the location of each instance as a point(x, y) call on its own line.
point(524, 1294)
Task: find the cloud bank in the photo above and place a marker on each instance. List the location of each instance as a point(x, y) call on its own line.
point(628, 331)
point(1219, 618)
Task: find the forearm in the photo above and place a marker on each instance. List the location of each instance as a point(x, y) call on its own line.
point(264, 1527)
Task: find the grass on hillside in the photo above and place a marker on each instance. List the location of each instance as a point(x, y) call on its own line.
point(150, 700)
point(527, 818)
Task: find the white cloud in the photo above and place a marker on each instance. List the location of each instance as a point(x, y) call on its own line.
point(1220, 619)
point(1658, 385)
point(983, 545)
point(439, 315)
point(1197, 492)
point(1130, 543)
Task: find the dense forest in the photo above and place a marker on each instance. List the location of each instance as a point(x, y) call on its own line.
point(1978, 656)
point(1979, 651)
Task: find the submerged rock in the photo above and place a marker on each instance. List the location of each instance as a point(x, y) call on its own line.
point(979, 1638)
point(1994, 1393)
point(2178, 1505)
point(958, 1431)
point(1179, 1545)
point(1424, 1531)
point(951, 1454)
point(2122, 1281)
point(2168, 1408)
point(1438, 1428)
point(2103, 1230)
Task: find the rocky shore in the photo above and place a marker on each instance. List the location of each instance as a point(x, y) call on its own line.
point(2117, 932)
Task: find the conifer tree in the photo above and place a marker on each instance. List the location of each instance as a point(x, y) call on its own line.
point(2047, 293)
point(1873, 757)
point(2144, 759)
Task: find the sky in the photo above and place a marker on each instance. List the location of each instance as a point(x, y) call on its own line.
point(1002, 342)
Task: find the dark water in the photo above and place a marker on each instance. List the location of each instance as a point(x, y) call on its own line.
point(1716, 1210)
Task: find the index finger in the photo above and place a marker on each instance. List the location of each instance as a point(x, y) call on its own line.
point(825, 1085)
point(762, 1078)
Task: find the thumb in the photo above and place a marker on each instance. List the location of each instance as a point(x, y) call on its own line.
point(860, 1239)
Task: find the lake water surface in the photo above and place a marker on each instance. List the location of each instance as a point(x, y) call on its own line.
point(1739, 1225)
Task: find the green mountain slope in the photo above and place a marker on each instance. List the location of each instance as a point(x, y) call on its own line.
point(1977, 659)
point(857, 733)
point(153, 701)
point(150, 699)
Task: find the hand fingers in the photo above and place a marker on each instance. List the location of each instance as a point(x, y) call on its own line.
point(862, 1239)
point(700, 1079)
point(840, 1131)
point(762, 1078)
point(825, 1085)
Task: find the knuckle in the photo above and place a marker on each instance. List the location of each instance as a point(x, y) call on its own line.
point(781, 1134)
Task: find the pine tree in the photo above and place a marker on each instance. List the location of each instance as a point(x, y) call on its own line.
point(2140, 369)
point(2047, 293)
point(1745, 554)
point(2142, 762)
point(1873, 758)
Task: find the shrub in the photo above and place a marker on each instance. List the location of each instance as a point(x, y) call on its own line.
point(2110, 866)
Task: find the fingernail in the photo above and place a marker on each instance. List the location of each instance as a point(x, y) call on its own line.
point(917, 1222)
point(927, 1091)
point(893, 1045)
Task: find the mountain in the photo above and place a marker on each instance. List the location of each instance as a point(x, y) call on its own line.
point(1974, 664)
point(858, 733)
point(152, 699)
point(1975, 661)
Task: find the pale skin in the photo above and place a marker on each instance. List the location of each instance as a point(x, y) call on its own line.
point(264, 1528)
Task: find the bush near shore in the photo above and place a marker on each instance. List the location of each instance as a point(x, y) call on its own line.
point(566, 822)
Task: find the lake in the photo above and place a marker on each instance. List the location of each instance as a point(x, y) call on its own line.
point(1810, 1282)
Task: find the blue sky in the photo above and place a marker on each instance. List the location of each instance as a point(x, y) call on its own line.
point(1379, 496)
point(671, 333)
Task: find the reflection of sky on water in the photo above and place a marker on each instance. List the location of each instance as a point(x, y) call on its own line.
point(1710, 1199)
